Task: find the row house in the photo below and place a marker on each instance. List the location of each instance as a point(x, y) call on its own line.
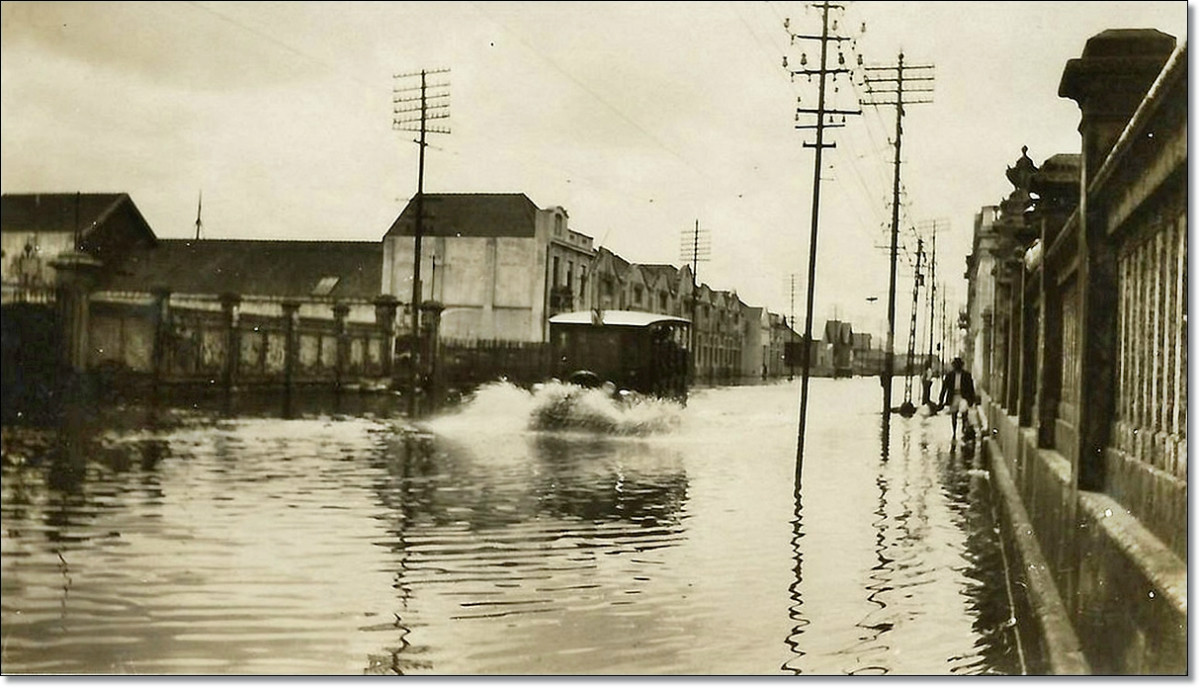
point(781, 335)
point(500, 266)
point(720, 323)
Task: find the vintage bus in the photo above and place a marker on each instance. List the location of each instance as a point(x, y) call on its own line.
point(641, 352)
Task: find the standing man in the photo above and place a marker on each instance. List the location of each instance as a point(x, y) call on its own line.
point(927, 376)
point(958, 390)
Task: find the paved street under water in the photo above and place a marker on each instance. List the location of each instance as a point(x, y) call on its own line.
point(335, 545)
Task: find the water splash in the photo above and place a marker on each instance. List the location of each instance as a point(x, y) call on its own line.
point(502, 407)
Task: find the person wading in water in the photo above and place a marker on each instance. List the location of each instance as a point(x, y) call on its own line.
point(958, 391)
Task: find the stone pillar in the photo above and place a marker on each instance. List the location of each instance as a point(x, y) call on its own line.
point(340, 311)
point(986, 332)
point(230, 303)
point(1015, 322)
point(1027, 388)
point(291, 343)
point(161, 318)
point(431, 318)
point(75, 277)
point(1057, 188)
point(1108, 82)
point(386, 306)
point(1050, 381)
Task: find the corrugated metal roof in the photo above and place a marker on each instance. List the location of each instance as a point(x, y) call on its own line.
point(469, 215)
point(615, 318)
point(258, 268)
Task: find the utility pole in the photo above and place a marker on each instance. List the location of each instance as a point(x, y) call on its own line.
point(824, 119)
point(199, 205)
point(931, 323)
point(942, 334)
point(907, 408)
point(694, 247)
point(412, 113)
point(887, 86)
point(792, 331)
point(932, 290)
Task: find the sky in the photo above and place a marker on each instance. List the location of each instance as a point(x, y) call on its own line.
point(640, 119)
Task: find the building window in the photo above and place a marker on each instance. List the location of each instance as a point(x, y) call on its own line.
point(554, 279)
point(662, 301)
point(558, 225)
point(570, 274)
point(637, 295)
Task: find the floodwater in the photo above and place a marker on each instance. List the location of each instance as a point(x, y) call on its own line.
point(647, 540)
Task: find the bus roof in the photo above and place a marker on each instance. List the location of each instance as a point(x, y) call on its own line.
point(616, 318)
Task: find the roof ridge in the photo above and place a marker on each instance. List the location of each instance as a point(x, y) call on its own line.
point(269, 241)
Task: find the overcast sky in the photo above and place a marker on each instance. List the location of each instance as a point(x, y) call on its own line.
point(638, 118)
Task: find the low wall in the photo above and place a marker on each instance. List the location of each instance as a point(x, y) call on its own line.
point(1123, 589)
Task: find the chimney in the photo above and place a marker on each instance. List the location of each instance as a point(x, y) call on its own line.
point(1108, 82)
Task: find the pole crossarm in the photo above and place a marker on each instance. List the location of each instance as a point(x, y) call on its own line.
point(809, 37)
point(827, 111)
point(924, 101)
point(413, 89)
point(422, 72)
point(818, 72)
point(415, 99)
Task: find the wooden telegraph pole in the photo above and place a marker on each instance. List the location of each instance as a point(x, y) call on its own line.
point(890, 85)
point(694, 246)
point(824, 119)
point(413, 107)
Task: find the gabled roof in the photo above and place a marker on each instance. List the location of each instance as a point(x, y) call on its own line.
point(666, 274)
point(620, 266)
point(67, 212)
point(634, 274)
point(469, 215)
point(294, 269)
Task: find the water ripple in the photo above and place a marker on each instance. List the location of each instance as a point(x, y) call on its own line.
point(669, 540)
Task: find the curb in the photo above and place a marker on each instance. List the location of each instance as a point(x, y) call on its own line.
point(1064, 654)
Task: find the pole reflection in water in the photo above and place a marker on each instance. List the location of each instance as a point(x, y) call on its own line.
point(329, 544)
point(795, 610)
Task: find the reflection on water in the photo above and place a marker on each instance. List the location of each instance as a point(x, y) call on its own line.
point(338, 544)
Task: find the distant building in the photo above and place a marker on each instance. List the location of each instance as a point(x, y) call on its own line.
point(665, 284)
point(263, 274)
point(867, 361)
point(37, 228)
point(981, 288)
point(498, 264)
point(782, 334)
point(839, 337)
point(756, 342)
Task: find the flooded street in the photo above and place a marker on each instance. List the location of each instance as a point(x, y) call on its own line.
point(337, 545)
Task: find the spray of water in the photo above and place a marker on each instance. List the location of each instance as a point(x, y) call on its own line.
point(504, 407)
